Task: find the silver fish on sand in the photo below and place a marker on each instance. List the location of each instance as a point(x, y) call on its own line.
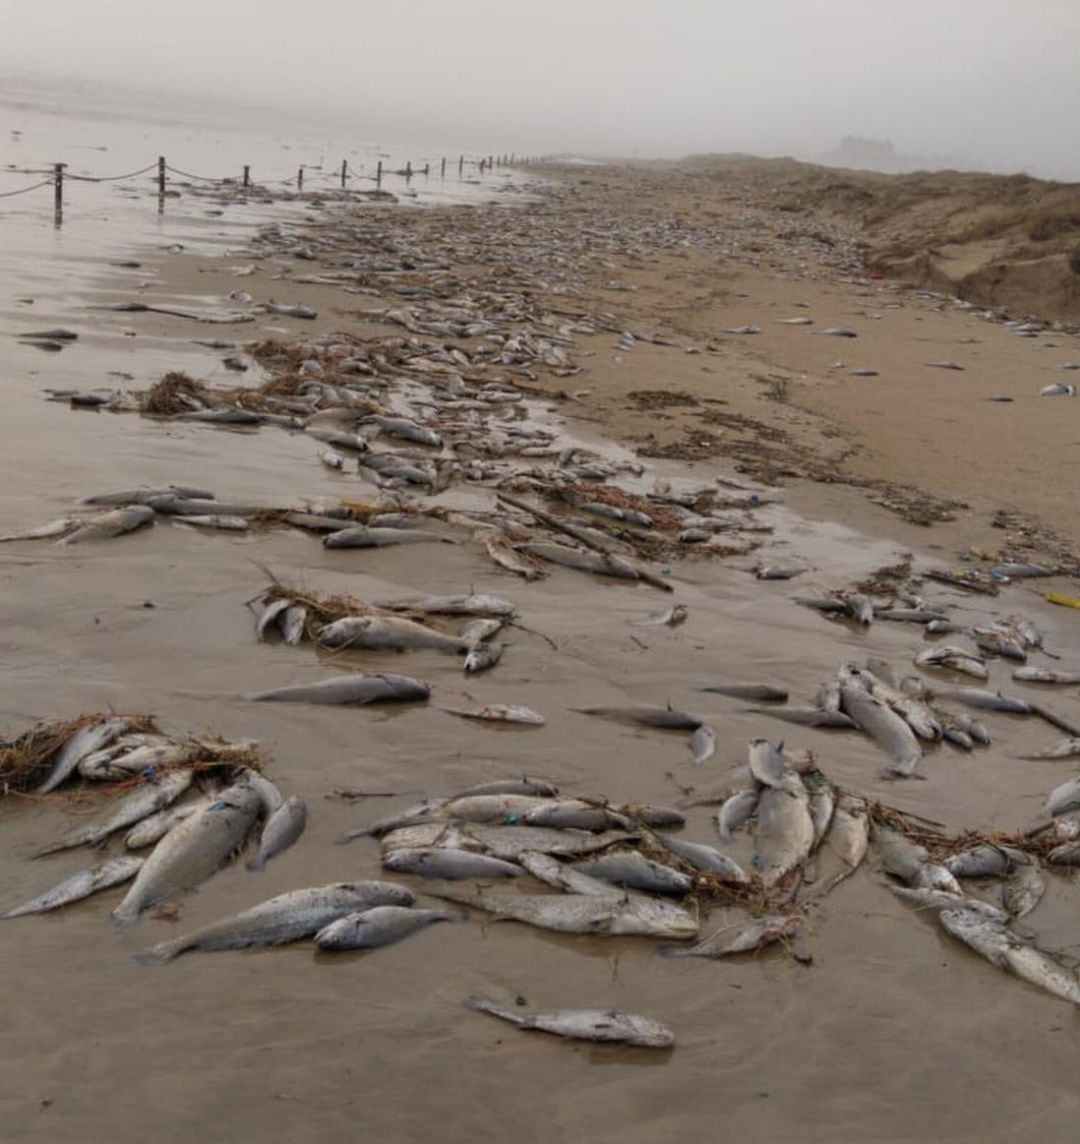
point(84, 742)
point(767, 762)
point(110, 524)
point(734, 811)
point(633, 870)
point(483, 657)
point(578, 913)
point(751, 692)
point(671, 618)
point(387, 633)
point(284, 918)
point(282, 829)
point(192, 851)
point(1024, 890)
point(785, 831)
point(378, 926)
point(451, 864)
point(603, 1025)
point(747, 936)
point(472, 604)
point(361, 536)
point(500, 713)
point(665, 718)
point(155, 826)
point(886, 728)
point(111, 872)
point(355, 689)
point(843, 847)
point(703, 744)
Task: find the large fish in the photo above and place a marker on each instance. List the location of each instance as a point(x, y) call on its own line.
point(363, 537)
point(604, 1025)
point(192, 851)
point(439, 862)
point(472, 604)
point(886, 728)
point(785, 830)
point(844, 846)
point(284, 918)
point(110, 524)
point(636, 872)
point(356, 689)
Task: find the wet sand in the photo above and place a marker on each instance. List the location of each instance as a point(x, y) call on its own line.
point(892, 1033)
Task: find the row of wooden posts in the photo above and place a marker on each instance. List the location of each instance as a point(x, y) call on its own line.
point(488, 163)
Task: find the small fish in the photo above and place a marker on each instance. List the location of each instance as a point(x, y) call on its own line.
point(734, 811)
point(785, 831)
point(295, 311)
point(633, 870)
point(332, 460)
point(500, 713)
point(991, 701)
point(270, 617)
point(111, 872)
point(218, 521)
point(954, 659)
point(1064, 798)
point(602, 1025)
point(838, 332)
point(672, 618)
point(663, 717)
point(707, 859)
point(378, 926)
point(574, 814)
point(284, 918)
point(84, 742)
point(751, 692)
point(945, 365)
point(389, 633)
point(525, 785)
point(156, 826)
point(473, 604)
point(110, 524)
point(1058, 389)
point(777, 572)
point(293, 624)
point(44, 531)
point(1024, 890)
point(506, 557)
point(1045, 675)
point(748, 937)
point(282, 829)
point(452, 864)
point(361, 536)
point(703, 744)
point(355, 689)
point(483, 657)
point(982, 861)
point(767, 763)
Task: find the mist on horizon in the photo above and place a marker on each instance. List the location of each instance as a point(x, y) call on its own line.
point(989, 84)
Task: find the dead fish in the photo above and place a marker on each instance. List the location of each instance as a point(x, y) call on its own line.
point(574, 814)
point(886, 728)
point(751, 692)
point(703, 744)
point(506, 557)
point(795, 321)
point(923, 899)
point(785, 831)
point(378, 926)
point(777, 572)
point(578, 913)
point(44, 531)
point(705, 858)
point(295, 311)
point(1040, 969)
point(945, 365)
point(511, 842)
point(269, 617)
point(218, 521)
point(748, 937)
point(603, 1025)
point(282, 829)
point(1024, 890)
point(806, 716)
point(500, 713)
point(426, 810)
point(941, 628)
point(863, 372)
point(954, 659)
point(293, 624)
point(332, 460)
point(602, 564)
point(633, 870)
point(363, 537)
point(663, 717)
point(191, 852)
point(972, 727)
point(1058, 389)
point(356, 689)
point(387, 633)
point(1063, 749)
point(1064, 798)
point(155, 826)
point(406, 430)
point(284, 918)
point(146, 799)
point(822, 804)
point(993, 642)
point(472, 604)
point(1067, 854)
point(672, 618)
point(111, 872)
point(270, 798)
point(982, 861)
point(767, 763)
point(84, 742)
point(478, 631)
point(565, 878)
point(509, 808)
point(991, 701)
point(844, 846)
point(899, 855)
point(452, 864)
point(734, 811)
point(909, 615)
point(838, 332)
point(658, 816)
point(483, 657)
point(110, 524)
point(1045, 675)
point(143, 495)
point(524, 785)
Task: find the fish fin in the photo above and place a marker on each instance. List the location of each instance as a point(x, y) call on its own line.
point(160, 954)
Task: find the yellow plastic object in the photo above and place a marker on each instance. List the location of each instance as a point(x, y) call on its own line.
point(1064, 601)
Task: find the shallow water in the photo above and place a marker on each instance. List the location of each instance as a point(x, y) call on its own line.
point(893, 1033)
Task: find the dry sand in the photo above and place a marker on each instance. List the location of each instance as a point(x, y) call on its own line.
point(890, 1034)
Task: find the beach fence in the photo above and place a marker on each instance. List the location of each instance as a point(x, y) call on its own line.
point(344, 177)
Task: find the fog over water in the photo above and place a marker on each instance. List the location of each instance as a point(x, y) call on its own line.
point(986, 83)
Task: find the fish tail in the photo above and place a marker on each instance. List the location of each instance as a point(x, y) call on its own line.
point(257, 863)
point(159, 954)
point(125, 917)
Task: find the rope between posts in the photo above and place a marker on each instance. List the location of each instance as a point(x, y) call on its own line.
point(23, 190)
point(186, 175)
point(110, 178)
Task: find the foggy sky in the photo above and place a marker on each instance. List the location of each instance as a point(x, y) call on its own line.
point(992, 83)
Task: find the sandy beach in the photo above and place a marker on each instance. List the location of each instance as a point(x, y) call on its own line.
point(671, 323)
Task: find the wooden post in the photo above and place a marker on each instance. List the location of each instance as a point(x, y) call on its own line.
point(460, 166)
point(427, 170)
point(58, 184)
point(442, 172)
point(408, 170)
point(490, 163)
point(300, 179)
point(161, 175)
point(247, 175)
point(378, 174)
point(344, 170)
